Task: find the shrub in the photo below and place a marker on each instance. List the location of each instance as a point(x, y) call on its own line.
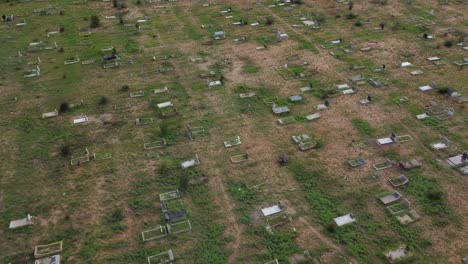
point(95, 22)
point(124, 88)
point(64, 107)
point(358, 23)
point(103, 100)
point(270, 21)
point(65, 151)
point(448, 43)
point(351, 15)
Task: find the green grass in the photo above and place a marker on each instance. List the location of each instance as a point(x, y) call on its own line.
point(363, 127)
point(251, 68)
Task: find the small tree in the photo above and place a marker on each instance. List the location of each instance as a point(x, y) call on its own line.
point(95, 22)
point(124, 88)
point(270, 21)
point(65, 151)
point(103, 100)
point(163, 129)
point(183, 182)
point(64, 107)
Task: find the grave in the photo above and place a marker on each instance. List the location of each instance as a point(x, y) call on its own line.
point(55, 259)
point(399, 180)
point(233, 142)
point(442, 144)
point(80, 158)
point(387, 140)
point(376, 83)
point(140, 93)
point(410, 164)
point(279, 109)
point(416, 72)
point(171, 195)
point(347, 91)
point(143, 121)
point(214, 83)
point(295, 98)
point(156, 144)
point(173, 215)
point(287, 120)
point(390, 198)
point(405, 64)
point(356, 162)
point(179, 227)
point(257, 183)
point(422, 116)
point(458, 160)
point(276, 220)
point(122, 106)
point(408, 217)
point(239, 158)
point(74, 60)
point(155, 233)
point(162, 258)
point(383, 165)
point(47, 250)
point(172, 205)
point(33, 72)
point(358, 79)
point(21, 222)
point(344, 220)
point(102, 156)
point(161, 90)
point(271, 210)
point(342, 86)
point(399, 208)
point(193, 132)
point(398, 254)
point(50, 114)
point(191, 163)
point(320, 107)
point(165, 104)
point(313, 116)
point(247, 95)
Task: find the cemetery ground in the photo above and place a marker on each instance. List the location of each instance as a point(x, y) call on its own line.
point(179, 78)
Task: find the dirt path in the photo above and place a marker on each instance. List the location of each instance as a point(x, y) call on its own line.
point(310, 229)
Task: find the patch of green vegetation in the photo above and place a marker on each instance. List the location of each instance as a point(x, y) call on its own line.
point(211, 245)
point(131, 46)
point(265, 40)
point(113, 220)
point(430, 195)
point(192, 32)
point(251, 68)
point(240, 192)
point(280, 245)
point(363, 126)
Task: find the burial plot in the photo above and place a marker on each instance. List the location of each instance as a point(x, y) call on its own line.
point(383, 165)
point(398, 254)
point(390, 198)
point(47, 250)
point(21, 222)
point(155, 233)
point(233, 142)
point(191, 163)
point(239, 158)
point(162, 258)
point(344, 220)
point(399, 180)
point(356, 162)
